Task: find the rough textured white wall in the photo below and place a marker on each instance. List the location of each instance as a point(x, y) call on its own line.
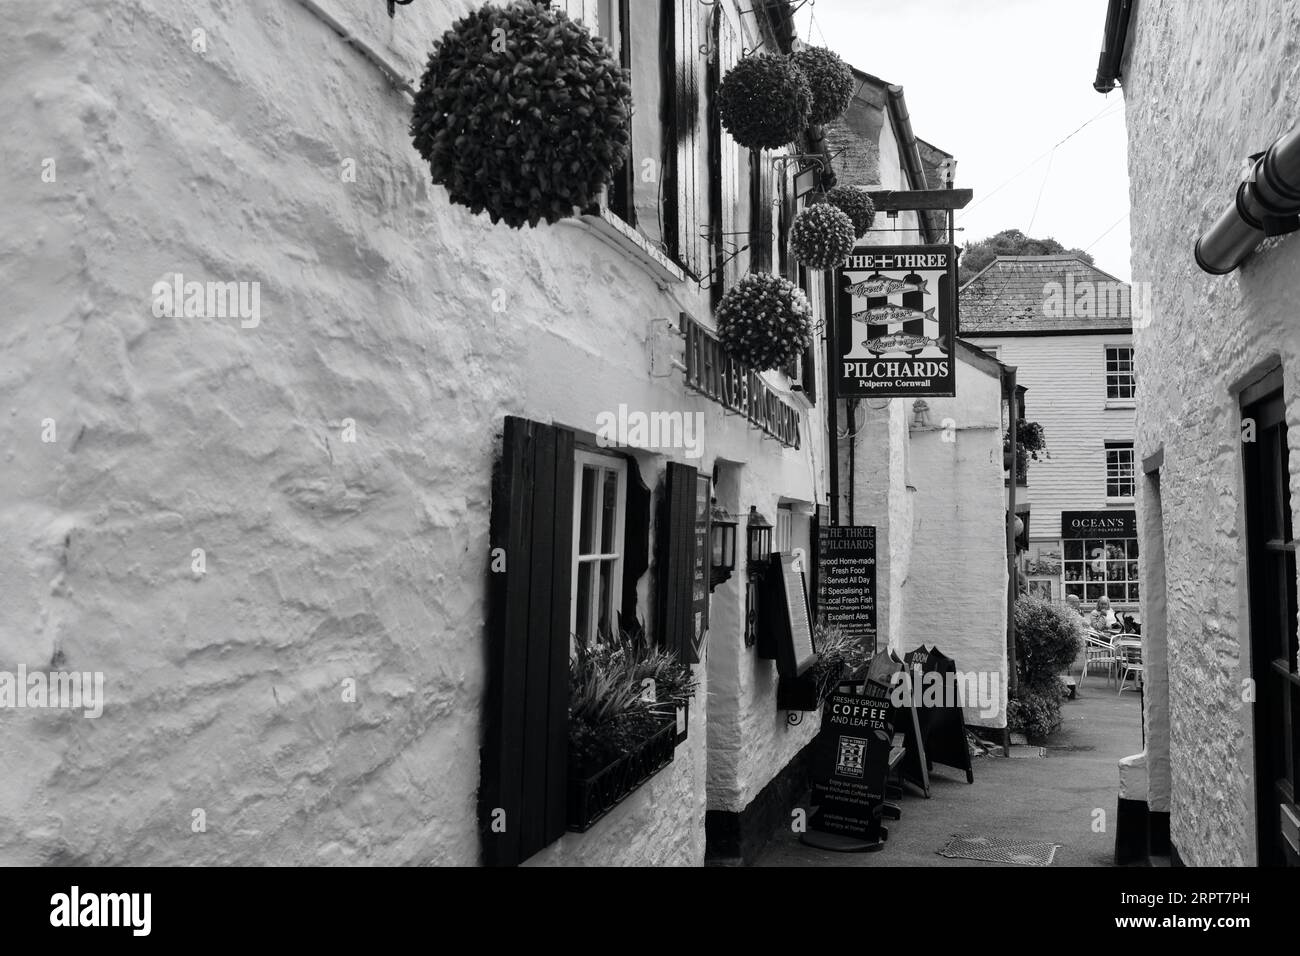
point(1204, 87)
point(956, 594)
point(327, 560)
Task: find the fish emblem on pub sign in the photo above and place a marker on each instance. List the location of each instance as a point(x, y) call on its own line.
point(897, 322)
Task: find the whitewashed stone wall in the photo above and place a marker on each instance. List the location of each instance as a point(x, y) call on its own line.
point(956, 594)
point(326, 560)
point(1204, 87)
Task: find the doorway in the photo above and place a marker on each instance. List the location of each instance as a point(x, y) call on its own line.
point(1271, 561)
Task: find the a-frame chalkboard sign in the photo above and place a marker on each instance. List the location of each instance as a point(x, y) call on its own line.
point(943, 727)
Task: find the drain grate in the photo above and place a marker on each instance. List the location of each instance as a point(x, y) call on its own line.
point(997, 850)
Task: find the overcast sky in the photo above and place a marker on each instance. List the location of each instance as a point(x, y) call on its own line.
point(999, 83)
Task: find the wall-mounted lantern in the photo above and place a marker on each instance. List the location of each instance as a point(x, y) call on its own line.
point(722, 545)
point(760, 540)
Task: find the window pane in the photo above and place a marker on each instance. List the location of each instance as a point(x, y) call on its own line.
point(1133, 592)
point(1132, 547)
point(584, 630)
point(1075, 589)
point(1095, 591)
point(605, 608)
point(1073, 550)
point(587, 529)
point(1115, 592)
point(609, 516)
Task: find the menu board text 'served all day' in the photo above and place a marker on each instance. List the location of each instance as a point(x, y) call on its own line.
point(897, 322)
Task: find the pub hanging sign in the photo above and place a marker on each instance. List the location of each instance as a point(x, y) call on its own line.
point(897, 322)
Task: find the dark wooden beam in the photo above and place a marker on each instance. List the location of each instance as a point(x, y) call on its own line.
point(887, 200)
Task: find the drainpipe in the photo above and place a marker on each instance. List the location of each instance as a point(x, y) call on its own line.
point(1112, 45)
point(1013, 417)
point(1266, 204)
point(911, 152)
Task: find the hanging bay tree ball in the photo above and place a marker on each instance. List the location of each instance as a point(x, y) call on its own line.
point(522, 113)
point(855, 202)
point(765, 321)
point(763, 102)
point(822, 236)
point(829, 78)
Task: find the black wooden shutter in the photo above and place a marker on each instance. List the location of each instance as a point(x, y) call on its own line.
point(636, 543)
point(675, 561)
point(525, 746)
point(684, 196)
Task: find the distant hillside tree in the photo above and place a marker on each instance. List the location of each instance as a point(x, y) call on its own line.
point(1010, 242)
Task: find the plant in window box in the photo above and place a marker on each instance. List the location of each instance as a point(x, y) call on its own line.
point(624, 694)
point(821, 237)
point(830, 80)
point(765, 321)
point(764, 101)
point(522, 113)
point(855, 202)
point(839, 657)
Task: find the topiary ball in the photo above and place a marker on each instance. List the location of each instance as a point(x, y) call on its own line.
point(765, 321)
point(829, 78)
point(523, 113)
point(822, 236)
point(764, 101)
point(856, 203)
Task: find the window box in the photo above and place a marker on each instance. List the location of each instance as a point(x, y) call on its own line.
point(592, 793)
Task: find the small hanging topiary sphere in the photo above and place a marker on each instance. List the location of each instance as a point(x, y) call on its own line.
point(765, 321)
point(522, 113)
point(822, 236)
point(856, 203)
point(763, 102)
point(829, 78)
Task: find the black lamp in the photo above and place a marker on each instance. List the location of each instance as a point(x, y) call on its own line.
point(722, 545)
point(760, 539)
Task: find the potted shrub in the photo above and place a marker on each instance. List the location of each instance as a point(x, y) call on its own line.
point(839, 657)
point(822, 236)
point(624, 694)
point(765, 321)
point(522, 113)
point(1048, 639)
point(855, 202)
point(829, 79)
point(764, 101)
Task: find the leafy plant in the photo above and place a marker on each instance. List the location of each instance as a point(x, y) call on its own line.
point(765, 321)
point(609, 710)
point(523, 113)
point(1032, 436)
point(839, 655)
point(1048, 639)
point(855, 202)
point(764, 101)
point(830, 80)
point(822, 236)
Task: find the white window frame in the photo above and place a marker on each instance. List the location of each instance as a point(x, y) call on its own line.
point(1117, 475)
point(604, 463)
point(1119, 402)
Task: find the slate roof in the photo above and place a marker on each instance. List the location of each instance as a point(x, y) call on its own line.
point(1015, 294)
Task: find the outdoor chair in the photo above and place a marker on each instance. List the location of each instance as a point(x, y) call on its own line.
point(1098, 651)
point(1128, 660)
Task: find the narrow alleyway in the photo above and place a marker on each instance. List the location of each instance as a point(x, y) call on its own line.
point(1051, 798)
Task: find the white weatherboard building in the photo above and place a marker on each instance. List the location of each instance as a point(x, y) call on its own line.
point(278, 540)
point(1067, 327)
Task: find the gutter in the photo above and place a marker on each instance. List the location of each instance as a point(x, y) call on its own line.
point(910, 150)
point(1266, 204)
point(1112, 45)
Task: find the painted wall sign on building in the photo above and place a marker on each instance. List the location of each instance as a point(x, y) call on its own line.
point(1098, 524)
point(897, 322)
point(846, 580)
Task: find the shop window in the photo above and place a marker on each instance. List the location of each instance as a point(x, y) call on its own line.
point(1102, 567)
point(1119, 470)
point(1121, 384)
point(599, 501)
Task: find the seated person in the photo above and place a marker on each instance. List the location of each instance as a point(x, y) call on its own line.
point(1103, 619)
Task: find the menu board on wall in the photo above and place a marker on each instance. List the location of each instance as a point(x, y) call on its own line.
point(795, 651)
point(700, 570)
point(846, 580)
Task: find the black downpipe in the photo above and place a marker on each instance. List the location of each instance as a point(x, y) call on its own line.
point(1266, 204)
